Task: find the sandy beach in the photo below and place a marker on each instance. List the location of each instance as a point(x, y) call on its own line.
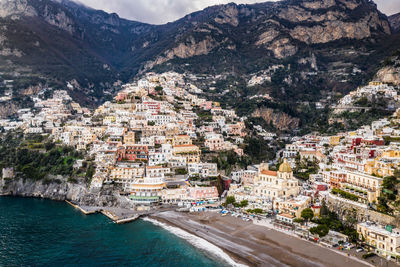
point(255, 245)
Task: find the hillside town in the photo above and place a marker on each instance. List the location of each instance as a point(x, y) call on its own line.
point(154, 141)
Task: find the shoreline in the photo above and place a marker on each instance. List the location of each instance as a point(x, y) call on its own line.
point(255, 245)
point(244, 242)
point(239, 259)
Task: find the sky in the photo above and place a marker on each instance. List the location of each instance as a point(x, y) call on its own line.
point(163, 11)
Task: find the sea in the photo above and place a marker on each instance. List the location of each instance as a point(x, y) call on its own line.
point(37, 232)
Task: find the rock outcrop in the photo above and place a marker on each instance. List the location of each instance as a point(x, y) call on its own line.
point(394, 21)
point(229, 14)
point(64, 40)
point(61, 190)
point(334, 29)
point(16, 9)
point(389, 74)
point(280, 120)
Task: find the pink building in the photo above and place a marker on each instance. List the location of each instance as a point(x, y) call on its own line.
point(248, 177)
point(215, 143)
point(203, 193)
point(207, 105)
point(121, 96)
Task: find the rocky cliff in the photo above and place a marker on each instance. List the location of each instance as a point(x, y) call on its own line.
point(395, 22)
point(60, 190)
point(280, 121)
point(390, 72)
point(53, 42)
point(276, 28)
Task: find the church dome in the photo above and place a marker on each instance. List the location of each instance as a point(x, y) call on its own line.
point(285, 166)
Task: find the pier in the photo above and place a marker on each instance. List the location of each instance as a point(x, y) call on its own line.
point(117, 215)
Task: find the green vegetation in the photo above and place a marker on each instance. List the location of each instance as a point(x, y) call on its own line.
point(345, 194)
point(388, 199)
point(35, 157)
point(258, 150)
point(321, 230)
point(204, 116)
point(158, 88)
point(305, 167)
point(368, 255)
point(307, 214)
point(227, 160)
point(242, 204)
point(331, 220)
point(298, 220)
point(231, 200)
point(255, 211)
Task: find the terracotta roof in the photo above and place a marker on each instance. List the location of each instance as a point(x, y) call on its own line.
point(270, 173)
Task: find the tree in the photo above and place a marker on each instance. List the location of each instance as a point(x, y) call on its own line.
point(321, 230)
point(298, 220)
point(49, 146)
point(244, 203)
point(307, 214)
point(230, 200)
point(324, 212)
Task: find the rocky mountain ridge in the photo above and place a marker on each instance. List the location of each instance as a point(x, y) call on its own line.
point(325, 47)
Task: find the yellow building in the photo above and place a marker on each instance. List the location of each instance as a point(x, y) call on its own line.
point(125, 175)
point(272, 185)
point(386, 241)
point(384, 165)
point(375, 83)
point(179, 140)
point(292, 206)
point(391, 153)
point(147, 191)
point(191, 152)
point(109, 119)
point(334, 140)
point(129, 138)
point(366, 187)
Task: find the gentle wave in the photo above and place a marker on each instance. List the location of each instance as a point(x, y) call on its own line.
point(197, 242)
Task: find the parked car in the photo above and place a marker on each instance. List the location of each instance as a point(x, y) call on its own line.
point(359, 249)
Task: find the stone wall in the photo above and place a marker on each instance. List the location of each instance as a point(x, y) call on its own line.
point(345, 208)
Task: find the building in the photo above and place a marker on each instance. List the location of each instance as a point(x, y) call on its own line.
point(203, 169)
point(292, 206)
point(133, 153)
point(203, 193)
point(272, 185)
point(366, 187)
point(147, 191)
point(385, 240)
point(215, 142)
point(190, 152)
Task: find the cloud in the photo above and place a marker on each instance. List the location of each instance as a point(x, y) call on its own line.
point(156, 11)
point(162, 11)
point(389, 7)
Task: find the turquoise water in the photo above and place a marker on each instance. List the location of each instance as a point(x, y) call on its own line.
point(39, 232)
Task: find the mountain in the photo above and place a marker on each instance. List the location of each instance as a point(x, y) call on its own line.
point(395, 22)
point(316, 49)
point(390, 72)
point(54, 42)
